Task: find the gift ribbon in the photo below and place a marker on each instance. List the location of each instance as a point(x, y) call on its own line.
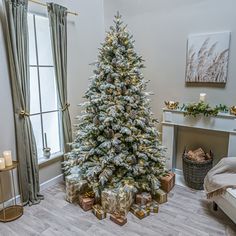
point(140, 210)
point(118, 215)
point(99, 211)
point(89, 194)
point(145, 197)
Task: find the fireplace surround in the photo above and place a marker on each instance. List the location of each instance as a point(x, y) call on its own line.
point(173, 119)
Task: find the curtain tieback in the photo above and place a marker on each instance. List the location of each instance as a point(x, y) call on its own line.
point(24, 114)
point(65, 107)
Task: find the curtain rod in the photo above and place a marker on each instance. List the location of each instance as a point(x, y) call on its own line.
point(45, 5)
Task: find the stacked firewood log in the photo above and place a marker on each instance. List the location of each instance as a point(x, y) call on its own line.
point(198, 155)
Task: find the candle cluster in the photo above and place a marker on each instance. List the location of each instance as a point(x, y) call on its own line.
point(6, 160)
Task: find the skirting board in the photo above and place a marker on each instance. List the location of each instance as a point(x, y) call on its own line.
point(43, 186)
point(51, 182)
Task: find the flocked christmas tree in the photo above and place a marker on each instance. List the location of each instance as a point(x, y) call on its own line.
point(116, 139)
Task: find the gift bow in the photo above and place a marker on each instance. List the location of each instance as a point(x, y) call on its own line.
point(118, 215)
point(89, 194)
point(137, 210)
point(98, 209)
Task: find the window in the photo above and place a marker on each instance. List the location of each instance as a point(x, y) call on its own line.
point(44, 112)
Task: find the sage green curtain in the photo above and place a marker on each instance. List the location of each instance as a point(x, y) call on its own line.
point(58, 27)
point(17, 43)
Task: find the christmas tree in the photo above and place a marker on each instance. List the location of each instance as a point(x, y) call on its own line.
point(116, 138)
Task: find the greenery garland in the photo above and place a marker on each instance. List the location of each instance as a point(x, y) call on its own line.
point(194, 109)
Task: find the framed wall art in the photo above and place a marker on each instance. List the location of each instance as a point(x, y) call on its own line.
point(207, 58)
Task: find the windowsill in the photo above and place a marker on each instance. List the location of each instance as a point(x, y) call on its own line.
point(42, 162)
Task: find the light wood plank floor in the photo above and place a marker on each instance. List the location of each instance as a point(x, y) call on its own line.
point(187, 213)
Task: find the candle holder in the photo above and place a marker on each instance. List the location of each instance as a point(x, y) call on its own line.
point(46, 149)
point(47, 152)
point(171, 105)
point(233, 110)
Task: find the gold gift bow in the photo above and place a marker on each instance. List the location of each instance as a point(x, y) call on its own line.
point(118, 215)
point(136, 208)
point(89, 194)
point(98, 210)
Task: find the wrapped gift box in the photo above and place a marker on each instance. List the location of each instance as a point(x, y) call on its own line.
point(168, 182)
point(99, 212)
point(140, 211)
point(114, 200)
point(153, 207)
point(143, 198)
point(74, 188)
point(160, 196)
point(86, 201)
point(118, 218)
point(109, 200)
point(124, 202)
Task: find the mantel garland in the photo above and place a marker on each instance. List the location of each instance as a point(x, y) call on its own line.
point(194, 109)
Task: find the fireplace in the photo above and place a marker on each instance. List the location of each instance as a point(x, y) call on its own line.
point(211, 133)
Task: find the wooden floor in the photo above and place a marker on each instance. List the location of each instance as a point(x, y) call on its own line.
point(187, 213)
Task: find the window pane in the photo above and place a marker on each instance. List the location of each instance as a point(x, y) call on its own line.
point(34, 91)
point(36, 123)
point(51, 128)
point(43, 41)
point(32, 49)
point(48, 89)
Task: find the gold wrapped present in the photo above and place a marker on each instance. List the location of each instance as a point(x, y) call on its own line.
point(74, 188)
point(114, 200)
point(160, 196)
point(124, 200)
point(118, 218)
point(143, 198)
point(168, 182)
point(99, 212)
point(140, 211)
point(153, 207)
point(109, 200)
point(86, 200)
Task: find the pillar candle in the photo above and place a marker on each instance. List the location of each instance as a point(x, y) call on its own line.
point(2, 163)
point(8, 158)
point(202, 97)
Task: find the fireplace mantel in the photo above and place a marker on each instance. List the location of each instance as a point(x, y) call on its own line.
point(172, 119)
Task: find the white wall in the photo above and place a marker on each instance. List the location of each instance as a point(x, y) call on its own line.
point(7, 136)
point(160, 29)
point(85, 32)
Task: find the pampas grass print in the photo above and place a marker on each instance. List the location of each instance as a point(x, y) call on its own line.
point(207, 65)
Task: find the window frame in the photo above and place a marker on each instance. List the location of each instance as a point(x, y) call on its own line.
point(42, 159)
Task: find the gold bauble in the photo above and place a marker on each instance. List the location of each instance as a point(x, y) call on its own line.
point(109, 91)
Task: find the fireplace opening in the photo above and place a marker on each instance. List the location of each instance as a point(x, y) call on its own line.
point(208, 140)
